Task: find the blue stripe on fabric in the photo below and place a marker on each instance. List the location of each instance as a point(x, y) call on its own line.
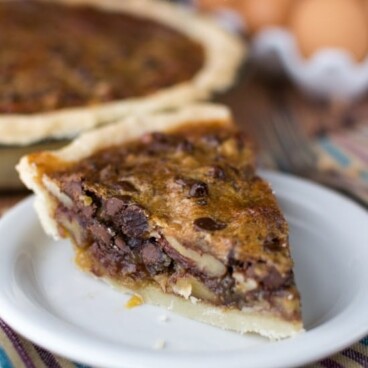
point(331, 149)
point(4, 360)
point(365, 341)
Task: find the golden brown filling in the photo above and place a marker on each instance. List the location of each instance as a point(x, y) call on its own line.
point(54, 56)
point(184, 210)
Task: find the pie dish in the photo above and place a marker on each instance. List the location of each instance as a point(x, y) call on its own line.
point(93, 62)
point(169, 206)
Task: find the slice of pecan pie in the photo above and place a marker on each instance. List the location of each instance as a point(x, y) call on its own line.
point(169, 206)
point(69, 65)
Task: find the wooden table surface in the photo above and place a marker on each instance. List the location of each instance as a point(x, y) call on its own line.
point(258, 94)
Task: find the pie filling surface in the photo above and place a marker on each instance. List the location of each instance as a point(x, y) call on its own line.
point(54, 56)
point(184, 211)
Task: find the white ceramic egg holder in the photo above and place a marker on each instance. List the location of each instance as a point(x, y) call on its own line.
point(329, 73)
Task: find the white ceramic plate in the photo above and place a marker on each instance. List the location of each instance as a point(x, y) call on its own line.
point(45, 298)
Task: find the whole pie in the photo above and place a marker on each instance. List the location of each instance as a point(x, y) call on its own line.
point(69, 65)
point(169, 206)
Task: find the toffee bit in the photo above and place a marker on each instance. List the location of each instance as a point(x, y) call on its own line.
point(86, 200)
point(134, 301)
point(209, 224)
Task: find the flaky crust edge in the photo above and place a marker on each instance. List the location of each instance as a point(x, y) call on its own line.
point(106, 136)
point(224, 53)
point(123, 131)
point(242, 321)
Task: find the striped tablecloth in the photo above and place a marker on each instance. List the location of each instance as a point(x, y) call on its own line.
point(16, 351)
point(346, 151)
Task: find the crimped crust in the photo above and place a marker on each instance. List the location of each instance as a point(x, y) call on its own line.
point(48, 194)
point(223, 51)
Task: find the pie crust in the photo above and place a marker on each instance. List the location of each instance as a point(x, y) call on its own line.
point(259, 265)
point(223, 55)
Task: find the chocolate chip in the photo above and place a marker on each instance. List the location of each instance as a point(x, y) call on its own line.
point(100, 233)
point(217, 172)
point(134, 221)
point(127, 186)
point(272, 243)
point(72, 187)
point(198, 189)
point(120, 243)
point(209, 224)
point(134, 243)
point(154, 258)
point(115, 205)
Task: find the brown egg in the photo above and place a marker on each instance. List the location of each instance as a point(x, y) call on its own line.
point(261, 13)
point(365, 6)
point(340, 24)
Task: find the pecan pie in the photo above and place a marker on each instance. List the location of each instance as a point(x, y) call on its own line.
point(170, 206)
point(69, 65)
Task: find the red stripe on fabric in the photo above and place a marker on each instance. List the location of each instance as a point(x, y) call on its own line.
point(330, 363)
point(47, 357)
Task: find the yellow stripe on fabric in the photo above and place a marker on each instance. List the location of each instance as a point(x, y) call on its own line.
point(31, 351)
point(345, 361)
point(360, 348)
